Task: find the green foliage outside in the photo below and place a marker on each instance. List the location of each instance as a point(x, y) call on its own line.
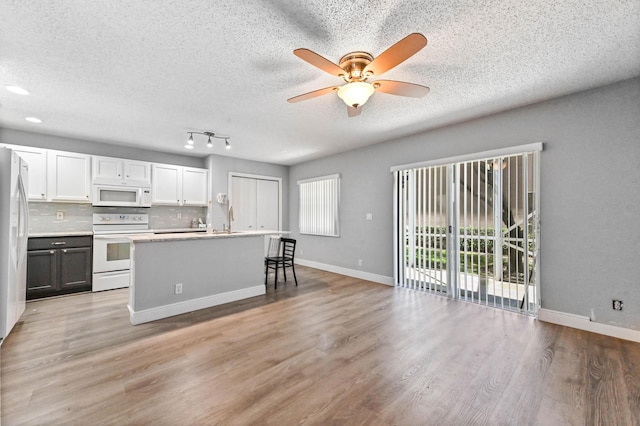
point(471, 239)
point(476, 263)
point(476, 249)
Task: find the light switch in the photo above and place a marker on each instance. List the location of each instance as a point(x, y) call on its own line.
point(369, 216)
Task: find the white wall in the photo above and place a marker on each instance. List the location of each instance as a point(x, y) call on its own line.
point(590, 202)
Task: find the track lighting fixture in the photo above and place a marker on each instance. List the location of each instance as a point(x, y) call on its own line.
point(190, 142)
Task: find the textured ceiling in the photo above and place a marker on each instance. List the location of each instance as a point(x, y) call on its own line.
point(142, 73)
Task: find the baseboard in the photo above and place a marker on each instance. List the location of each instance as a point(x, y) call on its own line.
point(367, 276)
point(584, 323)
point(152, 314)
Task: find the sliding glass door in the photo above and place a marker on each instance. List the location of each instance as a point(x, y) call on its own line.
point(469, 230)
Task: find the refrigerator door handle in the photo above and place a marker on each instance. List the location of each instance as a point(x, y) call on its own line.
point(23, 219)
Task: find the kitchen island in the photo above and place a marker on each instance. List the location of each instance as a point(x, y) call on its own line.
point(176, 273)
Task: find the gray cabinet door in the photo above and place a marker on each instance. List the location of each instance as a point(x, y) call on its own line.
point(75, 268)
point(42, 271)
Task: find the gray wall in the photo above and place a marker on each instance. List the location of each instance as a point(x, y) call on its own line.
point(39, 140)
point(205, 267)
point(219, 168)
point(590, 207)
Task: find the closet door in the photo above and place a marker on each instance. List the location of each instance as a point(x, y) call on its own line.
point(268, 200)
point(243, 192)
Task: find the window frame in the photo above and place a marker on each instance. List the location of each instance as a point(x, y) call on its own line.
point(322, 217)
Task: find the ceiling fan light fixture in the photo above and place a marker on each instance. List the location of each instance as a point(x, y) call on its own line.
point(190, 140)
point(209, 143)
point(226, 144)
point(355, 94)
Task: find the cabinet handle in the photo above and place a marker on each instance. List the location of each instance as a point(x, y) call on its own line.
point(65, 250)
point(52, 252)
point(59, 243)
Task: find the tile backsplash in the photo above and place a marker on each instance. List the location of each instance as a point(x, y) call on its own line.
point(78, 217)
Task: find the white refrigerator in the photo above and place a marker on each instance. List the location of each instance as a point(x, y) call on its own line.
point(14, 216)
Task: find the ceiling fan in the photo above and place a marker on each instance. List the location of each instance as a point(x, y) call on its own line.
point(356, 67)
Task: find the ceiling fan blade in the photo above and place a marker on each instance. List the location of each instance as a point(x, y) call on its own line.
point(396, 54)
point(400, 88)
point(353, 112)
point(313, 94)
point(319, 61)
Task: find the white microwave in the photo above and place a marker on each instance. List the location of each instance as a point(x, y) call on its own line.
point(121, 196)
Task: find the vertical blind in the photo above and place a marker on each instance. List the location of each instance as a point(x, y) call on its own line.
point(319, 203)
point(469, 229)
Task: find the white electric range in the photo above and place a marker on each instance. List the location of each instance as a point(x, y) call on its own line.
point(112, 248)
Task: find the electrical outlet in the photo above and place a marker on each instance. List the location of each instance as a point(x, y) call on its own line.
point(617, 305)
point(59, 215)
point(178, 288)
point(359, 262)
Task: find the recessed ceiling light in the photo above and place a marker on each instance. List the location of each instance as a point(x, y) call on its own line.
point(33, 120)
point(17, 90)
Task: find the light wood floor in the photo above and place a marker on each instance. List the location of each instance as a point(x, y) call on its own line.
point(335, 350)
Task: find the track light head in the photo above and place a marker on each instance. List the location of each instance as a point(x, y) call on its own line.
point(209, 135)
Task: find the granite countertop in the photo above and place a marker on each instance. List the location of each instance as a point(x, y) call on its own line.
point(169, 234)
point(90, 233)
point(60, 234)
point(182, 236)
point(172, 230)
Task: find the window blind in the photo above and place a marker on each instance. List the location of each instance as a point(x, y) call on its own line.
point(319, 204)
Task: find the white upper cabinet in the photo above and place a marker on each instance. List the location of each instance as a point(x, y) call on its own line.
point(179, 186)
point(195, 185)
point(68, 177)
point(36, 158)
point(137, 172)
point(167, 185)
point(118, 171)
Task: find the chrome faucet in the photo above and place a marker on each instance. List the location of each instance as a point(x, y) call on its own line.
point(230, 218)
